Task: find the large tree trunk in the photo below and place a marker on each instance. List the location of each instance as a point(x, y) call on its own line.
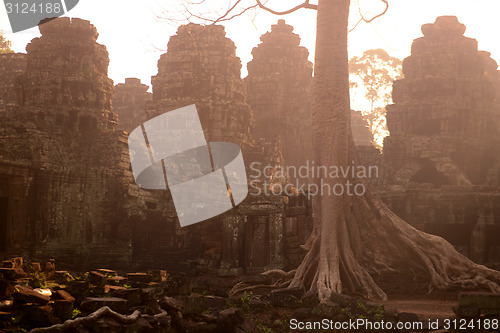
point(355, 236)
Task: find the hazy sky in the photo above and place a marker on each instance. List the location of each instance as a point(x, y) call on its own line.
point(135, 39)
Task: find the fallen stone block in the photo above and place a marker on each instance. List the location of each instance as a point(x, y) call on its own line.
point(467, 311)
point(159, 275)
point(63, 295)
point(97, 278)
point(49, 267)
point(139, 277)
point(107, 272)
point(132, 295)
point(24, 295)
point(63, 309)
point(480, 300)
point(196, 303)
point(39, 315)
point(63, 277)
point(12, 274)
point(170, 303)
point(117, 280)
point(328, 309)
point(6, 289)
point(284, 300)
point(8, 263)
point(78, 288)
point(91, 304)
point(35, 266)
point(229, 319)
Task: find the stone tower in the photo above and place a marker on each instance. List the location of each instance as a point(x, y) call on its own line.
point(64, 170)
point(201, 68)
point(130, 102)
point(446, 113)
point(278, 84)
point(441, 162)
point(66, 81)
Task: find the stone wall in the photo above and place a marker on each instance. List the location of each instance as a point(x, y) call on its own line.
point(12, 66)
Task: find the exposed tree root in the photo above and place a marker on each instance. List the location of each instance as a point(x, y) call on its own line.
point(371, 239)
point(93, 317)
point(279, 279)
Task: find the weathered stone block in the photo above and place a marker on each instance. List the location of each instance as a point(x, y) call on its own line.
point(27, 295)
point(6, 289)
point(198, 303)
point(139, 277)
point(327, 309)
point(132, 295)
point(284, 300)
point(39, 315)
point(117, 280)
point(63, 309)
point(62, 277)
point(91, 304)
point(12, 274)
point(228, 319)
point(170, 303)
point(479, 300)
point(107, 272)
point(63, 295)
point(97, 278)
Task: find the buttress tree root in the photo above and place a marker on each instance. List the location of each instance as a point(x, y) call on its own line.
point(370, 239)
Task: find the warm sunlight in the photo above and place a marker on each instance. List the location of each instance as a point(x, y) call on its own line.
point(135, 38)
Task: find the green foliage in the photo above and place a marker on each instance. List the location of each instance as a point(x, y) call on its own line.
point(36, 279)
point(5, 44)
point(376, 314)
point(76, 312)
point(373, 73)
point(245, 301)
point(264, 329)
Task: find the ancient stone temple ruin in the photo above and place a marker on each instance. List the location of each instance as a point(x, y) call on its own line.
point(67, 190)
point(442, 159)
